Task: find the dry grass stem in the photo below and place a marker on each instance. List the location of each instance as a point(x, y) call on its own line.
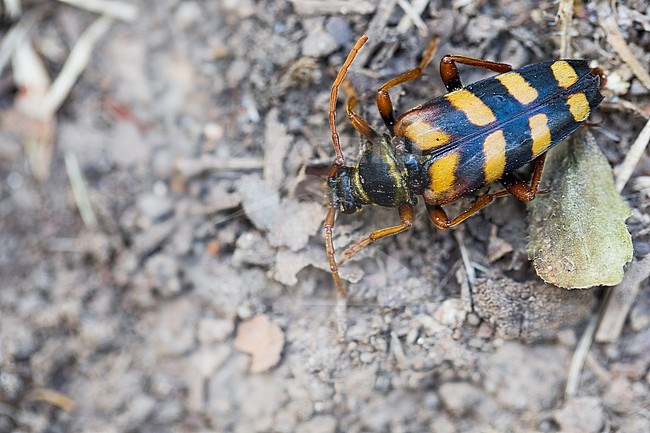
point(565, 15)
point(336, 7)
point(634, 155)
point(77, 62)
point(466, 289)
point(617, 41)
point(80, 191)
point(580, 354)
point(413, 15)
point(54, 398)
point(190, 167)
point(621, 300)
point(115, 9)
point(16, 35)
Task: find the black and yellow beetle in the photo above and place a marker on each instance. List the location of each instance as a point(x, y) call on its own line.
point(456, 143)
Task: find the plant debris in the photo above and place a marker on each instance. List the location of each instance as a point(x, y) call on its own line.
point(263, 340)
point(566, 251)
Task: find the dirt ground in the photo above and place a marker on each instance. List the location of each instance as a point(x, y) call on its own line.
point(198, 298)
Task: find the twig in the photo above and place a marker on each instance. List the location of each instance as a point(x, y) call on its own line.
point(623, 105)
point(15, 36)
point(333, 7)
point(31, 76)
point(616, 40)
point(580, 353)
point(398, 350)
point(621, 301)
point(470, 273)
point(565, 15)
point(75, 64)
point(53, 397)
point(13, 8)
point(80, 191)
point(190, 167)
point(598, 370)
point(413, 15)
point(376, 26)
point(39, 146)
point(606, 325)
point(467, 262)
point(114, 9)
point(634, 155)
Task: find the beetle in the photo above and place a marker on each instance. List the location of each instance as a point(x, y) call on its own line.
point(456, 143)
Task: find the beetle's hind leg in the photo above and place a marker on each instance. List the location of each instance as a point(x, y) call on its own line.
point(405, 214)
point(520, 189)
point(513, 186)
point(449, 71)
point(384, 103)
point(439, 217)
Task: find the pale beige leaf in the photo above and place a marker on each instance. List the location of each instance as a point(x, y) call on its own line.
point(578, 236)
point(263, 340)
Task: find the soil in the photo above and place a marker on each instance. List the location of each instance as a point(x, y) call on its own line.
point(201, 300)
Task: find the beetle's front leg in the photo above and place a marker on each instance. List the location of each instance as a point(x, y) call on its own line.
point(405, 214)
point(355, 119)
point(384, 104)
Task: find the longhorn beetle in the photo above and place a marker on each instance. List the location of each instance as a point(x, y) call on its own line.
point(455, 143)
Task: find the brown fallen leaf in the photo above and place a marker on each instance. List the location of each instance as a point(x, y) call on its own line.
point(263, 340)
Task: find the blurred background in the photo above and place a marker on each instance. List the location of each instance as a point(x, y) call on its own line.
point(162, 267)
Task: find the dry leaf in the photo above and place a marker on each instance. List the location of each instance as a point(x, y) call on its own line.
point(263, 340)
point(578, 236)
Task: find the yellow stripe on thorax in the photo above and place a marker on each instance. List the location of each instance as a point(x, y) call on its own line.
point(578, 106)
point(518, 87)
point(424, 136)
point(540, 133)
point(564, 73)
point(494, 150)
point(441, 173)
point(476, 111)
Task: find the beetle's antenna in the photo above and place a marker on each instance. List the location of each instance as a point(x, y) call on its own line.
point(329, 247)
point(339, 159)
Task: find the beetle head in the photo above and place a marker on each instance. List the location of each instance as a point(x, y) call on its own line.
point(341, 190)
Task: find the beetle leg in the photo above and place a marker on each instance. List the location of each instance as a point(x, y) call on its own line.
point(357, 121)
point(384, 103)
point(449, 71)
point(520, 189)
point(329, 248)
point(339, 159)
point(440, 219)
point(405, 214)
point(512, 185)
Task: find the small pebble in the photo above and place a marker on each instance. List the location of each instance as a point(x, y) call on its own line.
point(214, 330)
point(318, 43)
